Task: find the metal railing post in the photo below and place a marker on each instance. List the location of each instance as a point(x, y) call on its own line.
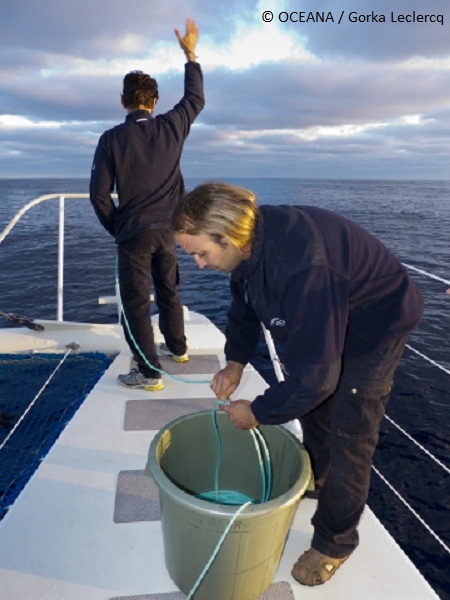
point(59, 315)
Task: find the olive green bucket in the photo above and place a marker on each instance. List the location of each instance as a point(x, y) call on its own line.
point(182, 460)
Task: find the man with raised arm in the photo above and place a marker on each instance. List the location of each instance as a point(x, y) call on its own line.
point(140, 158)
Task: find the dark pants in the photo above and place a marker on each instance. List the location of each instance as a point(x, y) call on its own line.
point(152, 252)
point(341, 435)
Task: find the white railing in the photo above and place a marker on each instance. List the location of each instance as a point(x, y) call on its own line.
point(25, 209)
point(430, 275)
point(60, 290)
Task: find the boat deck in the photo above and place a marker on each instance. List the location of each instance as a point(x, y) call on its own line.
point(87, 525)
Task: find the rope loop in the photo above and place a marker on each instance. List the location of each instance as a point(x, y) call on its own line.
point(232, 497)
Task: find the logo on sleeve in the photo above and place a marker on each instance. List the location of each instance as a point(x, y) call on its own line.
point(277, 322)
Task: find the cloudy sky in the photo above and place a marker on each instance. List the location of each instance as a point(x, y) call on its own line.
point(366, 97)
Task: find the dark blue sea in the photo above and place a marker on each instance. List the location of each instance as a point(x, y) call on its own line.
point(411, 217)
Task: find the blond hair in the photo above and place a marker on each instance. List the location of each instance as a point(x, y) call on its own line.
point(219, 210)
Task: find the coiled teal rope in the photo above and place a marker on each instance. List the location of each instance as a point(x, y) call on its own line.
point(232, 497)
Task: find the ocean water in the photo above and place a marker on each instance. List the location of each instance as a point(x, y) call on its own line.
point(411, 217)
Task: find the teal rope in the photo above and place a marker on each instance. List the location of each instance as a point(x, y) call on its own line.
point(216, 551)
point(231, 497)
point(141, 354)
point(265, 467)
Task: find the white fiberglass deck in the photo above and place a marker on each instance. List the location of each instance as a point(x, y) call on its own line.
point(69, 536)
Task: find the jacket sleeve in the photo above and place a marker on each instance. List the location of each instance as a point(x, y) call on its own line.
point(297, 395)
point(192, 103)
point(315, 305)
point(102, 186)
point(243, 327)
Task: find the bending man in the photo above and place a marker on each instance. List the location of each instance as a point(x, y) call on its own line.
point(343, 305)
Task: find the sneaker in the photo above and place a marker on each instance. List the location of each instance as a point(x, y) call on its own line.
point(178, 358)
point(136, 381)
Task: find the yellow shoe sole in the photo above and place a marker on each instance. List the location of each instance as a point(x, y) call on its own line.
point(180, 359)
point(154, 388)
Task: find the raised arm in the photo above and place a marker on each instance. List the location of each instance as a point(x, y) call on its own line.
point(189, 41)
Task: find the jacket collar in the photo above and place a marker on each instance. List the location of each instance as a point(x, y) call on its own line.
point(138, 115)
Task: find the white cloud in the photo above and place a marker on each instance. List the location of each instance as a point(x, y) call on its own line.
point(280, 97)
point(19, 122)
point(252, 46)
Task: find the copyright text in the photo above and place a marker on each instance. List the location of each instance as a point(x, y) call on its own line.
point(351, 16)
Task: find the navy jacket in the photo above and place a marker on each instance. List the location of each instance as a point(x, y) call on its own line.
point(141, 157)
point(313, 279)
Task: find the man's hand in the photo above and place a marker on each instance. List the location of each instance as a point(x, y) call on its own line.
point(226, 380)
point(240, 414)
point(189, 41)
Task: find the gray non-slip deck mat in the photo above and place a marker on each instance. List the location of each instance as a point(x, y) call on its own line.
point(169, 596)
point(137, 498)
point(196, 365)
point(145, 415)
point(277, 591)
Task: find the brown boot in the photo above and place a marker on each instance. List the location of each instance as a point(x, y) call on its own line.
point(314, 568)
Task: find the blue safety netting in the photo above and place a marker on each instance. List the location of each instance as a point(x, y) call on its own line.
point(21, 379)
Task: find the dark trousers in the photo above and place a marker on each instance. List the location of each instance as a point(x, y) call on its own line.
point(150, 255)
point(341, 435)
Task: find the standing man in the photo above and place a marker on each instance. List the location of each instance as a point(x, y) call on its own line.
point(343, 305)
point(141, 158)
